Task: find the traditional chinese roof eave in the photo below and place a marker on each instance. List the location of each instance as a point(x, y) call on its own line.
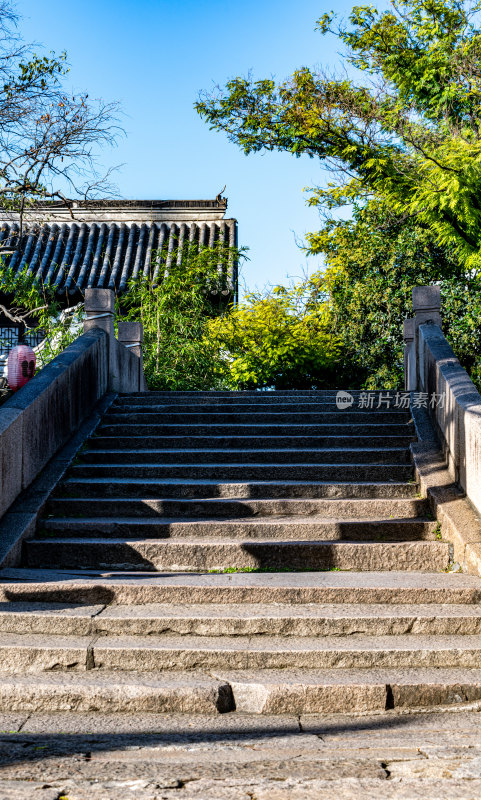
point(122, 211)
point(108, 243)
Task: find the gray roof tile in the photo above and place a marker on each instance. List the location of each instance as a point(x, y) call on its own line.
point(74, 255)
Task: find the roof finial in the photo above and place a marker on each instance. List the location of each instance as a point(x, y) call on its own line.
point(221, 200)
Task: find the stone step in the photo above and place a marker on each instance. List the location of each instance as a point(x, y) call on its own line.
point(348, 588)
point(346, 455)
point(39, 653)
point(247, 442)
point(257, 692)
point(249, 472)
point(178, 488)
point(274, 619)
point(209, 393)
point(279, 407)
point(371, 508)
point(294, 528)
point(253, 430)
point(259, 398)
point(203, 555)
point(355, 690)
point(255, 417)
point(153, 653)
point(116, 692)
point(244, 619)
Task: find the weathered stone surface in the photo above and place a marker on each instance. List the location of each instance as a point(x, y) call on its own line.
point(392, 587)
point(127, 693)
point(270, 692)
point(458, 419)
point(168, 729)
point(152, 653)
point(11, 433)
point(278, 619)
point(34, 653)
point(16, 790)
point(333, 691)
point(54, 618)
point(198, 555)
point(268, 529)
point(390, 756)
point(381, 511)
point(172, 488)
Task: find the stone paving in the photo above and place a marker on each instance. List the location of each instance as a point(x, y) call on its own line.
point(435, 755)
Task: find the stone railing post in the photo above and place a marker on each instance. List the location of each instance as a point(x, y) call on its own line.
point(409, 355)
point(427, 310)
point(99, 310)
point(131, 335)
point(99, 313)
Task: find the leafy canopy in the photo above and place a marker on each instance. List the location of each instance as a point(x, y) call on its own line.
point(405, 128)
point(278, 340)
point(177, 353)
point(373, 261)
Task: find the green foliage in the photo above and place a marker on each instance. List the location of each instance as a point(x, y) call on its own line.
point(41, 311)
point(373, 263)
point(175, 313)
point(278, 340)
point(406, 130)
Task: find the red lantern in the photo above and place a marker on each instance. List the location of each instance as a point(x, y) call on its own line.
point(20, 366)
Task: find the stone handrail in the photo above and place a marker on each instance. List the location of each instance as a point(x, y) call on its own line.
point(44, 414)
point(454, 402)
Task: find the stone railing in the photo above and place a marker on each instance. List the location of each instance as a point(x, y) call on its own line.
point(454, 403)
point(44, 414)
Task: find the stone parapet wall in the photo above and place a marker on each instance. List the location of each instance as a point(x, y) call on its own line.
point(457, 418)
point(45, 413)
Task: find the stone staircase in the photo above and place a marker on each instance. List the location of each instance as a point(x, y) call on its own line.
point(130, 597)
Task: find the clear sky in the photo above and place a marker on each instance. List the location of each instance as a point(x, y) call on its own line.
point(154, 56)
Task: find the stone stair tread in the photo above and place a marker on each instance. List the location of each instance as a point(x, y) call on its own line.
point(138, 588)
point(121, 678)
point(402, 472)
point(221, 508)
point(369, 644)
point(238, 610)
point(198, 451)
point(409, 643)
point(346, 676)
point(426, 582)
point(217, 464)
point(252, 691)
point(312, 520)
point(335, 691)
point(246, 619)
point(386, 504)
point(95, 690)
point(410, 488)
point(278, 610)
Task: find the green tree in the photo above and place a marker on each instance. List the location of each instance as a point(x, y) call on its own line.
point(405, 128)
point(280, 339)
point(373, 262)
point(35, 308)
point(178, 354)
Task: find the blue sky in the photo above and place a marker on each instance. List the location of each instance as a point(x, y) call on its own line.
point(154, 57)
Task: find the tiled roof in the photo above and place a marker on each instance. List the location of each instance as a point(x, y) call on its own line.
point(109, 242)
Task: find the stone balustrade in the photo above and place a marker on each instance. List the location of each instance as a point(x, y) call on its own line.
point(42, 416)
point(431, 367)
